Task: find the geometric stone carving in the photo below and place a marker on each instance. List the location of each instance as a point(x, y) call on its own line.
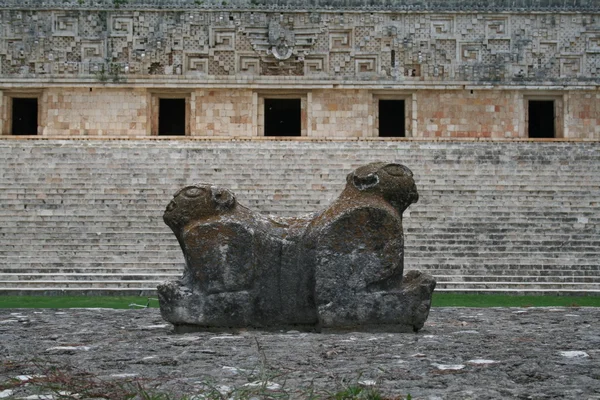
point(570, 66)
point(340, 40)
point(497, 27)
point(64, 25)
point(121, 26)
point(470, 52)
point(442, 27)
point(196, 63)
point(498, 46)
point(339, 269)
point(340, 62)
point(47, 36)
point(366, 64)
point(222, 38)
point(316, 64)
point(248, 64)
point(92, 50)
point(593, 43)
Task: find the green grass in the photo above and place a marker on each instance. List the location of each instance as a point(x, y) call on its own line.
point(75, 301)
point(439, 300)
point(499, 300)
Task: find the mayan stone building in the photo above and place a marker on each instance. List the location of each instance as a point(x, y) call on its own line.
point(108, 107)
point(323, 69)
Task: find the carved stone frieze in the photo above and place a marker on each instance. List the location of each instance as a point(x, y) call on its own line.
point(450, 41)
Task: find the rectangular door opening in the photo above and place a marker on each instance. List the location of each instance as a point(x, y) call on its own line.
point(24, 116)
point(171, 117)
point(392, 118)
point(283, 117)
point(541, 119)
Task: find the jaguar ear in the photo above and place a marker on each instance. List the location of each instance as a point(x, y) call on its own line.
point(349, 177)
point(365, 182)
point(397, 170)
point(223, 199)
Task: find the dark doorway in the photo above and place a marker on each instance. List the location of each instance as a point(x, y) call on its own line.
point(391, 118)
point(541, 119)
point(24, 116)
point(282, 117)
point(171, 117)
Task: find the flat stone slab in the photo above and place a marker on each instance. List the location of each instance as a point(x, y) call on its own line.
point(461, 353)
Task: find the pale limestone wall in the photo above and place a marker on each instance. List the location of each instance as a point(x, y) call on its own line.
point(223, 112)
point(583, 119)
point(466, 113)
point(96, 112)
point(326, 113)
point(340, 113)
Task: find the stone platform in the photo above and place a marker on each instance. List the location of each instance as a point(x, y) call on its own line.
point(461, 353)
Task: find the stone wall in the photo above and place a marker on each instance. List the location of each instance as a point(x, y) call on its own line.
point(345, 113)
point(96, 112)
point(464, 113)
point(326, 113)
point(583, 118)
point(512, 215)
point(224, 113)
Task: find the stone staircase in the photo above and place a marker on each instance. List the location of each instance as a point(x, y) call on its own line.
point(85, 216)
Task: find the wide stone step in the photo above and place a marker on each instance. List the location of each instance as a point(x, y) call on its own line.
point(110, 269)
point(486, 208)
point(82, 291)
point(27, 278)
point(75, 284)
point(525, 279)
point(527, 291)
point(100, 257)
point(47, 250)
point(532, 272)
point(518, 285)
point(458, 260)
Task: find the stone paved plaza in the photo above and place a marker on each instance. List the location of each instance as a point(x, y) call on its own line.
point(461, 353)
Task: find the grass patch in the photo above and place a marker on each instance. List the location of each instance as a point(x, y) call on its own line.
point(76, 301)
point(439, 300)
point(498, 300)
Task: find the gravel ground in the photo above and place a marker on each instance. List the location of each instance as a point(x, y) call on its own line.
point(461, 353)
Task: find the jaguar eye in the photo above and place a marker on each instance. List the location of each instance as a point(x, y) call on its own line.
point(171, 206)
point(193, 192)
point(397, 170)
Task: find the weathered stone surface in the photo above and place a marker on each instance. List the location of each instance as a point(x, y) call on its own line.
point(340, 268)
point(461, 353)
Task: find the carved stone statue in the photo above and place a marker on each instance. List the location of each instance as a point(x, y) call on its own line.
point(341, 268)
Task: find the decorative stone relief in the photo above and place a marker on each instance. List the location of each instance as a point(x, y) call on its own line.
point(445, 41)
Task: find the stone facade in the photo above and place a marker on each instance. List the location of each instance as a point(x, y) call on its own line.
point(461, 68)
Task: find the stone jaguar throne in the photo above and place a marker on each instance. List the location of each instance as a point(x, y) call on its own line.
point(341, 268)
